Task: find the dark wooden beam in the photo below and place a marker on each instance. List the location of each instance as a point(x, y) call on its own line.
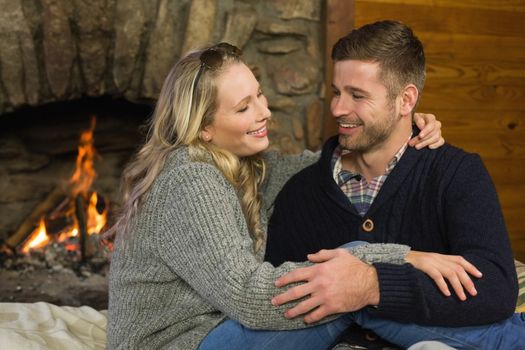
point(339, 20)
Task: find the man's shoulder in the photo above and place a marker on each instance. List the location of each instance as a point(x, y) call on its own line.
point(446, 163)
point(446, 154)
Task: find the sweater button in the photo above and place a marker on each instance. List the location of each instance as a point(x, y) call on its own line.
point(368, 225)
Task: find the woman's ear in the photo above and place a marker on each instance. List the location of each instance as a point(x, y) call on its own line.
point(409, 97)
point(207, 134)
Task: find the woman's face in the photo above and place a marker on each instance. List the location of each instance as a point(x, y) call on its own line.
point(240, 123)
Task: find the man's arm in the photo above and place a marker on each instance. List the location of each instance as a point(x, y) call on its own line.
point(329, 282)
point(475, 230)
point(338, 283)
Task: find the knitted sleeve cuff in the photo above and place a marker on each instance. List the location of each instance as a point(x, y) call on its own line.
point(380, 253)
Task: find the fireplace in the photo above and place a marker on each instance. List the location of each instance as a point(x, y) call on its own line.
point(55, 51)
point(60, 171)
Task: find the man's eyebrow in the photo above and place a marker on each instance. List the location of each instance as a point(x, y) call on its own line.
point(351, 89)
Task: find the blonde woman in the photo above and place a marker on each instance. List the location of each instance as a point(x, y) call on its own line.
point(187, 263)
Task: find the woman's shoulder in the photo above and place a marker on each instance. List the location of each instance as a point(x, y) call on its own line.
point(179, 162)
point(181, 172)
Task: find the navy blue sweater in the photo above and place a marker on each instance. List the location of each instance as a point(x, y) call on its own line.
point(439, 201)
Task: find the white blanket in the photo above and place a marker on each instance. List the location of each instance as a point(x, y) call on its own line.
point(47, 326)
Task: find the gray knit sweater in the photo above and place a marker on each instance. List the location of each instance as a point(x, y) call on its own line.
point(189, 261)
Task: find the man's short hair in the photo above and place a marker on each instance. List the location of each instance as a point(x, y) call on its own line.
point(393, 46)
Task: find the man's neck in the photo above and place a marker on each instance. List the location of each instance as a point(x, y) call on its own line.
point(373, 163)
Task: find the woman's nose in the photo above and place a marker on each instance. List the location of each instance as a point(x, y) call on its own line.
point(264, 111)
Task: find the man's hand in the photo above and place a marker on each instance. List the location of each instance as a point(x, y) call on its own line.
point(338, 282)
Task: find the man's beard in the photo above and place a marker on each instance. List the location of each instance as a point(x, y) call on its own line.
point(372, 136)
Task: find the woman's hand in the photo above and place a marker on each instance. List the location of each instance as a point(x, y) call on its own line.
point(430, 134)
point(452, 267)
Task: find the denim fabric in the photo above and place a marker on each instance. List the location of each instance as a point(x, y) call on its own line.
point(505, 335)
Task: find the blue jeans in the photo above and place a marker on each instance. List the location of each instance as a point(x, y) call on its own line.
point(231, 335)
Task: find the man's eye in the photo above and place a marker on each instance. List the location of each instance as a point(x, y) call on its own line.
point(244, 109)
point(357, 97)
point(336, 92)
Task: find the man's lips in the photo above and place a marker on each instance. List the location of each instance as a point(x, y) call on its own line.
point(348, 128)
point(349, 125)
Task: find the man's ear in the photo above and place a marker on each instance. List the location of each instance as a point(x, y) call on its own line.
point(409, 97)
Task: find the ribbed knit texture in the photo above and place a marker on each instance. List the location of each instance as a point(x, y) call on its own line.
point(440, 201)
point(189, 263)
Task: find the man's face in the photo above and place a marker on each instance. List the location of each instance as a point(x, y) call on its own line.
point(361, 106)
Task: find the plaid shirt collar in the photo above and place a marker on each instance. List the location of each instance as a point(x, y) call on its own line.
point(339, 152)
point(360, 192)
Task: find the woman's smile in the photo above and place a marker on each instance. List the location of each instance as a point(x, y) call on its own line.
point(262, 132)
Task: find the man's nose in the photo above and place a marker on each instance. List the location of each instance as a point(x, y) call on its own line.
point(340, 107)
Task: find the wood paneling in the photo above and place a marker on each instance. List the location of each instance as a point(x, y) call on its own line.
point(507, 5)
point(427, 18)
point(472, 48)
point(339, 21)
point(475, 85)
point(495, 97)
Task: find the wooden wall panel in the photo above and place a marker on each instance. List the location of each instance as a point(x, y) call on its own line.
point(475, 83)
point(339, 21)
point(507, 5)
point(478, 48)
point(428, 18)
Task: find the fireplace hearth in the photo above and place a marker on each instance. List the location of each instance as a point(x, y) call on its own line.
point(40, 157)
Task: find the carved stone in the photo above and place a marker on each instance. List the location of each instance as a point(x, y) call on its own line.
point(18, 65)
point(270, 26)
point(292, 9)
point(239, 26)
point(94, 21)
point(314, 119)
point(280, 45)
point(298, 130)
point(131, 20)
point(164, 43)
point(201, 23)
point(282, 103)
point(58, 45)
point(291, 78)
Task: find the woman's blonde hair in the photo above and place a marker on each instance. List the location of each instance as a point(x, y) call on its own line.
point(186, 105)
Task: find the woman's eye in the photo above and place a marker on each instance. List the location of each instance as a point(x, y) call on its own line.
point(244, 109)
point(357, 97)
point(336, 92)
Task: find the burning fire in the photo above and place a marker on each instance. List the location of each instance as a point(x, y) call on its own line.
point(79, 185)
point(38, 238)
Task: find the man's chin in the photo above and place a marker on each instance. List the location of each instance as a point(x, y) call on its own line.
point(347, 142)
point(350, 144)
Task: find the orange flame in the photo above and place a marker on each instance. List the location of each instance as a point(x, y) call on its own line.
point(96, 221)
point(80, 183)
point(38, 238)
point(85, 173)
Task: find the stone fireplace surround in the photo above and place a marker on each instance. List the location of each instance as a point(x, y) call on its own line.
point(54, 51)
point(63, 61)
